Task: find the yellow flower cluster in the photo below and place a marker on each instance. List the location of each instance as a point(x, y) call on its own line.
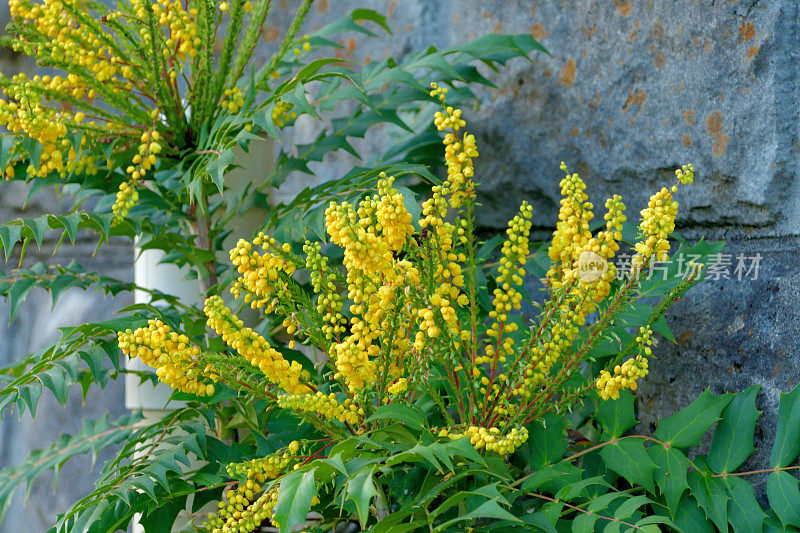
point(326, 405)
point(626, 374)
point(178, 27)
point(142, 162)
point(233, 99)
point(260, 275)
point(371, 236)
point(398, 387)
point(26, 112)
point(283, 114)
point(506, 296)
point(491, 439)
point(323, 280)
point(175, 360)
point(243, 508)
point(254, 348)
point(658, 221)
point(572, 229)
point(269, 467)
point(458, 152)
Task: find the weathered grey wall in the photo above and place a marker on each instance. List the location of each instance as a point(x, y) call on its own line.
point(632, 90)
point(35, 327)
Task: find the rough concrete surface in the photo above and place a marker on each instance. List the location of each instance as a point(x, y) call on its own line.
point(631, 90)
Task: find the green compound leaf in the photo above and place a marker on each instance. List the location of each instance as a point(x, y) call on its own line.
point(686, 427)
point(787, 439)
point(712, 497)
point(744, 512)
point(361, 489)
point(784, 497)
point(733, 437)
point(294, 499)
point(629, 459)
point(616, 416)
point(671, 474)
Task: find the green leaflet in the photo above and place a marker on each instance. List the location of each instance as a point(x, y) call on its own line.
point(733, 437)
point(616, 416)
point(690, 518)
point(361, 490)
point(784, 497)
point(712, 496)
point(744, 512)
point(671, 473)
point(628, 458)
point(294, 499)
point(787, 439)
point(686, 427)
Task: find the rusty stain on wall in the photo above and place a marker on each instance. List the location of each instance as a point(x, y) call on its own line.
point(271, 33)
point(688, 116)
point(322, 6)
point(714, 123)
point(747, 31)
point(538, 31)
point(660, 60)
point(636, 98)
point(686, 139)
point(567, 76)
point(624, 8)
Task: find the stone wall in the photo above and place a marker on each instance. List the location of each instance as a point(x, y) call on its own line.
point(631, 90)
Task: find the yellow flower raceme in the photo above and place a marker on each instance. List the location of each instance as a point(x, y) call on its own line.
point(326, 406)
point(243, 508)
point(491, 439)
point(175, 360)
point(658, 221)
point(624, 377)
point(572, 229)
point(289, 376)
point(261, 275)
point(324, 282)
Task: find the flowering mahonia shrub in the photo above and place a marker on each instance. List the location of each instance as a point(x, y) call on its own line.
point(400, 324)
point(138, 113)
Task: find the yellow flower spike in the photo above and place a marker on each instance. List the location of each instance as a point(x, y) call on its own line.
point(175, 360)
point(325, 405)
point(255, 349)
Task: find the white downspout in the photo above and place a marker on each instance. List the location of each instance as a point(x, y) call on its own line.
point(149, 273)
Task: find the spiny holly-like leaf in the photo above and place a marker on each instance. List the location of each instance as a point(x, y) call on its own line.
point(712, 496)
point(690, 518)
point(787, 439)
point(671, 473)
point(744, 512)
point(162, 519)
point(361, 489)
point(404, 414)
point(546, 441)
point(616, 416)
point(630, 505)
point(733, 437)
point(19, 291)
point(628, 458)
point(294, 499)
point(784, 497)
point(686, 427)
